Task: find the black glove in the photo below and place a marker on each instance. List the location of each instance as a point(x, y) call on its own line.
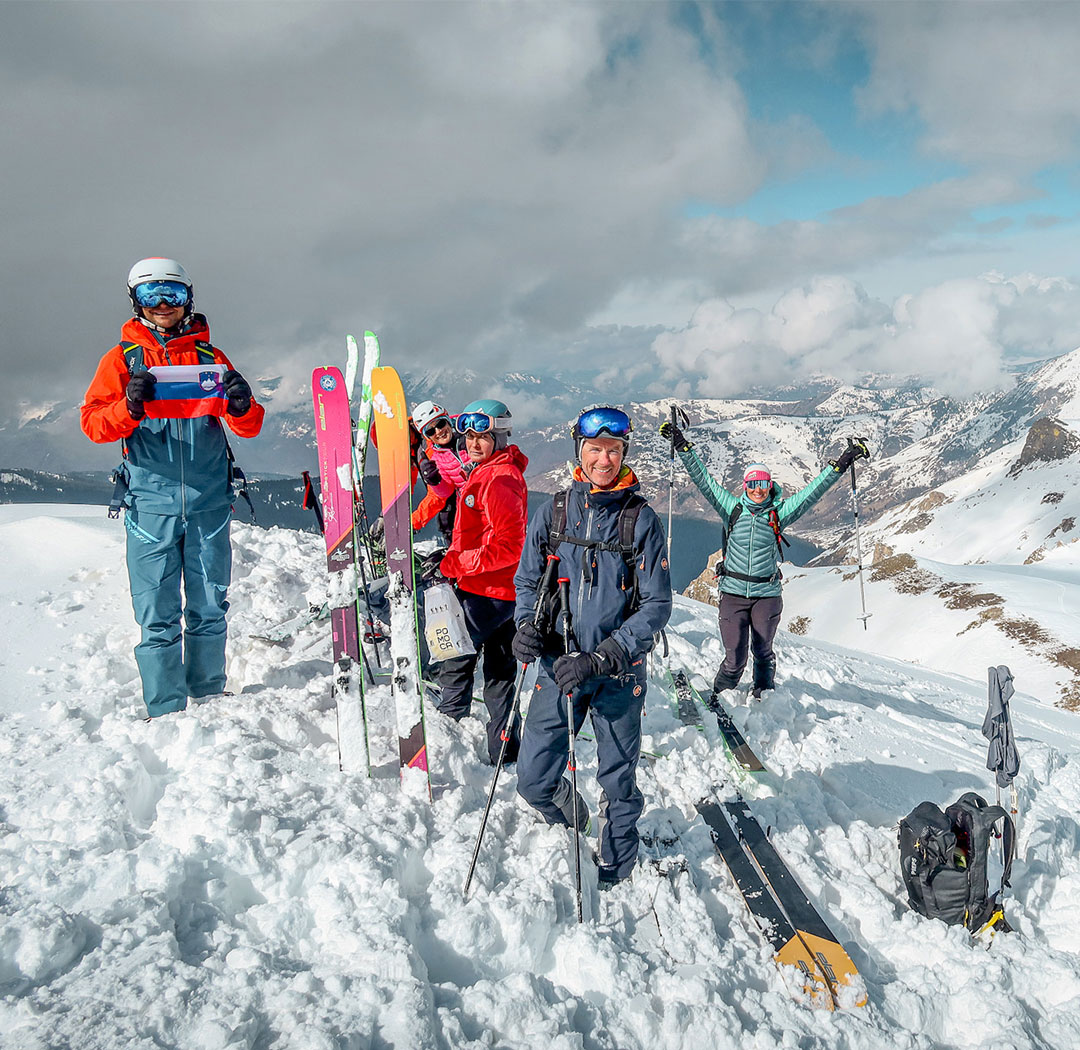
point(856, 450)
point(669, 430)
point(429, 471)
point(575, 669)
point(528, 643)
point(237, 391)
point(140, 388)
point(429, 566)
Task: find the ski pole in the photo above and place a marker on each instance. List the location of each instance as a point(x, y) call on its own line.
point(310, 501)
point(564, 614)
point(671, 486)
point(538, 612)
point(676, 415)
point(858, 542)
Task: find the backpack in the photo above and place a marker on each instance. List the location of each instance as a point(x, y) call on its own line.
point(943, 861)
point(134, 358)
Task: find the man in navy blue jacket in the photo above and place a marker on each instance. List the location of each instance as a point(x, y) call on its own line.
point(620, 598)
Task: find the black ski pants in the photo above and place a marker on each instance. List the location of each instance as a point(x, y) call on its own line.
point(746, 624)
point(491, 626)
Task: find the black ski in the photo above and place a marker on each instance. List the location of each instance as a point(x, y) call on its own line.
point(830, 958)
point(689, 703)
point(688, 710)
point(736, 743)
point(788, 947)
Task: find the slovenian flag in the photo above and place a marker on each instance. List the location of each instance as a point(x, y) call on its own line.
point(187, 391)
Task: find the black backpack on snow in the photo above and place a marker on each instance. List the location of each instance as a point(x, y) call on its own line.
point(943, 861)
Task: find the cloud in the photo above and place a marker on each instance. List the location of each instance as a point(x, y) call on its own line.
point(446, 173)
point(991, 82)
point(959, 335)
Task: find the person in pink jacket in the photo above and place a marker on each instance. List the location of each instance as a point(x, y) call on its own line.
point(444, 466)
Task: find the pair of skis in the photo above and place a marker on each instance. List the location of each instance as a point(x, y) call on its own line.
point(340, 460)
point(688, 705)
point(794, 929)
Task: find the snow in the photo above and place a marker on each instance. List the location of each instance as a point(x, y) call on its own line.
point(212, 880)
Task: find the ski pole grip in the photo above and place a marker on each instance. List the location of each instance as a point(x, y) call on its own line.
point(564, 610)
point(674, 423)
point(545, 587)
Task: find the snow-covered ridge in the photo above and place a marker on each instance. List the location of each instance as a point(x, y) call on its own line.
point(211, 880)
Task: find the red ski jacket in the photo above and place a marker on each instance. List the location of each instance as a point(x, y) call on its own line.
point(489, 531)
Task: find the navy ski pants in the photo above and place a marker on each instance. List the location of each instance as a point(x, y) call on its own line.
point(615, 706)
point(490, 622)
point(162, 552)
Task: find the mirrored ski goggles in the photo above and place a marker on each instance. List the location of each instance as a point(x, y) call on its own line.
point(433, 428)
point(758, 483)
point(597, 421)
point(480, 423)
point(150, 294)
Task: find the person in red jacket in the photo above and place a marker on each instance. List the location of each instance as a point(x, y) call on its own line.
point(489, 533)
point(176, 483)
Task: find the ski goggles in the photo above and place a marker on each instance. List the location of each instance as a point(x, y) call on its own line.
point(597, 421)
point(151, 294)
point(757, 483)
point(480, 423)
point(433, 428)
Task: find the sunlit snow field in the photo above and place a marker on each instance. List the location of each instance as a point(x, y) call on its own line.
point(212, 880)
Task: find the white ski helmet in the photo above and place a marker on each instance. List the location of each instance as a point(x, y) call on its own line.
point(159, 269)
point(425, 413)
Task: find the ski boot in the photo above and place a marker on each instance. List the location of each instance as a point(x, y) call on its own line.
point(764, 676)
point(721, 683)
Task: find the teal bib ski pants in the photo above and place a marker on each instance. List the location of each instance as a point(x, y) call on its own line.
point(164, 551)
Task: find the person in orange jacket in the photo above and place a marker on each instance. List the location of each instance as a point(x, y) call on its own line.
point(489, 533)
point(176, 479)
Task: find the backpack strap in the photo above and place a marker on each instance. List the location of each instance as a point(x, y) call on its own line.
point(624, 545)
point(774, 524)
point(732, 518)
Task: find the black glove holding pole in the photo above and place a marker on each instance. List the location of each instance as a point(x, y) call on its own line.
point(575, 669)
point(670, 431)
point(856, 449)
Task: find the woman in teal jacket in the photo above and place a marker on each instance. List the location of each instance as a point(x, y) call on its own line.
point(749, 570)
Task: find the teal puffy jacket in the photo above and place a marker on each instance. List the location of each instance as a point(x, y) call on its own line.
point(752, 549)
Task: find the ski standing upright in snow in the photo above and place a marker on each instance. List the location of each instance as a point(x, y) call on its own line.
point(333, 432)
point(395, 481)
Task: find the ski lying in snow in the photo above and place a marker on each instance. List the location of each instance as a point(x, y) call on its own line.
point(740, 750)
point(333, 432)
point(283, 633)
point(689, 704)
point(794, 928)
point(688, 710)
point(395, 484)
